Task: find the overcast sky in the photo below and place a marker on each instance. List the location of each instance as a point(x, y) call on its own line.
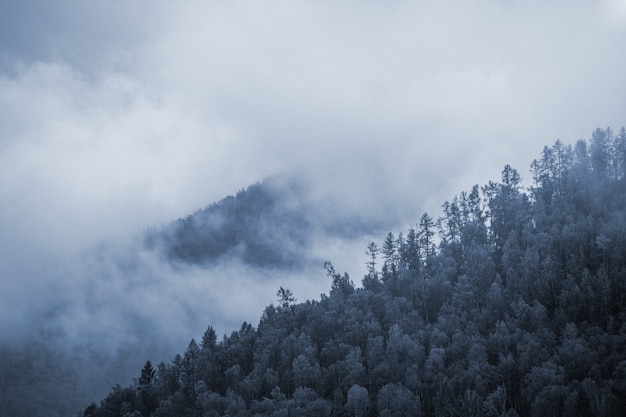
point(119, 115)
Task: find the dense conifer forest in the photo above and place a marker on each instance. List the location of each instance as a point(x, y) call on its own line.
point(512, 303)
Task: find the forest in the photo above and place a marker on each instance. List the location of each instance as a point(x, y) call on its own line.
point(511, 303)
point(247, 226)
point(269, 224)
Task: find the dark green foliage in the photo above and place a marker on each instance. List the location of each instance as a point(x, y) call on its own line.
point(518, 310)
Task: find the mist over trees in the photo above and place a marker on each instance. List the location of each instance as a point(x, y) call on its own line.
point(254, 225)
point(269, 224)
point(512, 303)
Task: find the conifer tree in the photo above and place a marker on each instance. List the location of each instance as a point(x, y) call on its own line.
point(285, 297)
point(147, 374)
point(372, 251)
point(426, 233)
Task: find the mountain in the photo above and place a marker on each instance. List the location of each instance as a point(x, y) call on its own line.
point(510, 304)
point(264, 225)
point(270, 224)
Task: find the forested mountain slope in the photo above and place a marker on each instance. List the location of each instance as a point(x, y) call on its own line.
point(256, 225)
point(270, 224)
point(511, 304)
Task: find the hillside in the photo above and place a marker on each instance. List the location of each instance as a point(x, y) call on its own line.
point(270, 224)
point(255, 225)
point(510, 304)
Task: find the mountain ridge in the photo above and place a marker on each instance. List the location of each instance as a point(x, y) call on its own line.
point(516, 310)
point(269, 224)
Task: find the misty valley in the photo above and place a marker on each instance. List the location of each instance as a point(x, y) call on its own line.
point(511, 302)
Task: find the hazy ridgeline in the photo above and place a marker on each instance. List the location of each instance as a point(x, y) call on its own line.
point(510, 303)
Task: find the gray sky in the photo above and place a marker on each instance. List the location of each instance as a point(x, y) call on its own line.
point(119, 115)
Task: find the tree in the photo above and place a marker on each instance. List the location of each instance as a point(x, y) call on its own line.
point(425, 235)
point(209, 339)
point(551, 172)
point(495, 403)
point(409, 255)
point(371, 281)
point(358, 400)
point(148, 394)
point(395, 400)
point(620, 154)
point(208, 362)
point(450, 224)
point(600, 153)
point(341, 285)
point(190, 373)
point(305, 373)
point(390, 256)
point(508, 212)
point(372, 251)
point(285, 297)
point(147, 374)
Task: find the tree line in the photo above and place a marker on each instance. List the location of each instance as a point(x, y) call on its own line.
point(509, 304)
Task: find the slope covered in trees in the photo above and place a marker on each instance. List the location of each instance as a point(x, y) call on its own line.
point(263, 225)
point(270, 224)
point(510, 304)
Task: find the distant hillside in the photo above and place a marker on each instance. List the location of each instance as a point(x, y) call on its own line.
point(263, 225)
point(270, 224)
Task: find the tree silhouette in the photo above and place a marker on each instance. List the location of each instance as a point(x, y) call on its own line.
point(285, 297)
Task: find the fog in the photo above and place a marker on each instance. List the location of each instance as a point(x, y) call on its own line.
point(120, 116)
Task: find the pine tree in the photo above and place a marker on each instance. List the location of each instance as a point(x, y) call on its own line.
point(147, 374)
point(285, 297)
point(390, 257)
point(425, 235)
point(372, 251)
point(209, 339)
